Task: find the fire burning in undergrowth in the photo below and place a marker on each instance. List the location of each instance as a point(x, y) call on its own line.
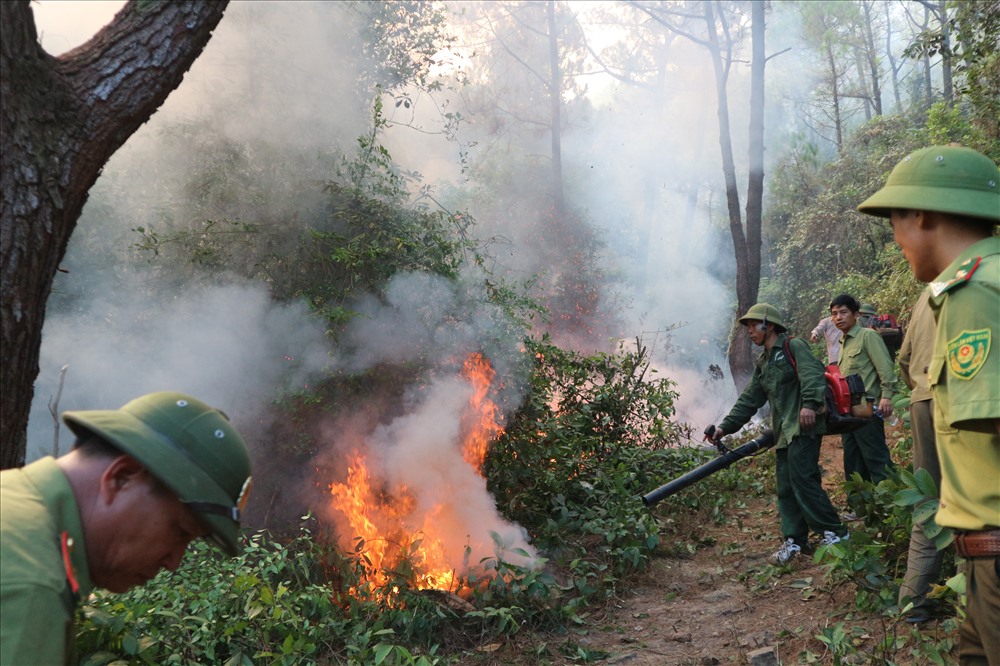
point(414, 495)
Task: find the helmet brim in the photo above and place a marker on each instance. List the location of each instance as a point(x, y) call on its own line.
point(968, 203)
point(745, 318)
point(164, 461)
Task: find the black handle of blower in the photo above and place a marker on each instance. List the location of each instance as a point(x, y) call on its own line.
point(761, 443)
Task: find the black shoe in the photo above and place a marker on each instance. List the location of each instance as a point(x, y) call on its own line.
point(919, 617)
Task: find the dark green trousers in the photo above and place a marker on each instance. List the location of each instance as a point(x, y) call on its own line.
point(866, 453)
point(802, 502)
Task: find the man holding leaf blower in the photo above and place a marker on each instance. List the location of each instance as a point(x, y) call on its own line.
point(792, 380)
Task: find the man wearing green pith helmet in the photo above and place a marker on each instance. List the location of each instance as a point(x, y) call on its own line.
point(791, 379)
point(140, 483)
point(943, 204)
point(868, 313)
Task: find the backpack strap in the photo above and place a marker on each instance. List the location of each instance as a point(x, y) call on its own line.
point(790, 356)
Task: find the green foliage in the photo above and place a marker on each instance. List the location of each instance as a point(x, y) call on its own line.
point(299, 603)
point(608, 436)
point(574, 457)
point(328, 242)
point(920, 495)
point(823, 246)
point(837, 639)
point(402, 41)
point(266, 606)
point(874, 559)
point(968, 37)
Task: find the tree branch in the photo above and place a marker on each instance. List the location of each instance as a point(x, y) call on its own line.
point(670, 26)
point(775, 55)
point(127, 70)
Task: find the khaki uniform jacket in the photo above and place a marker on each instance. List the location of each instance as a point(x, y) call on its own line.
point(774, 380)
point(965, 379)
point(38, 508)
point(918, 349)
point(863, 352)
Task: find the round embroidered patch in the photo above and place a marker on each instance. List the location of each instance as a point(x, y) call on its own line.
point(967, 353)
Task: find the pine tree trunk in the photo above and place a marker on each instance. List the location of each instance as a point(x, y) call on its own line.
point(835, 87)
point(876, 85)
point(948, 88)
point(61, 120)
point(746, 286)
point(893, 69)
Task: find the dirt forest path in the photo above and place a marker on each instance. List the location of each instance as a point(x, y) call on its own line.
point(706, 610)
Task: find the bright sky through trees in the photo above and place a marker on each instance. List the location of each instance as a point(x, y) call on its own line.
point(65, 24)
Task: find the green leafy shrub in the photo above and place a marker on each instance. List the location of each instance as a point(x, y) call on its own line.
point(269, 605)
point(574, 458)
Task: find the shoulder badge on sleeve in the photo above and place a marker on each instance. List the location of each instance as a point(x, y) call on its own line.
point(967, 353)
point(962, 275)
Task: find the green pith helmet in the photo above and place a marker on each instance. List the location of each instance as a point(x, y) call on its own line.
point(763, 312)
point(868, 309)
point(945, 179)
point(190, 447)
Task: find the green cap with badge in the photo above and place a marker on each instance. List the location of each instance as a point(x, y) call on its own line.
point(190, 447)
point(765, 313)
point(868, 309)
point(944, 179)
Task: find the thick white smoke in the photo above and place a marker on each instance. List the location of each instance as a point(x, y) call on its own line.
point(417, 457)
point(419, 453)
point(230, 346)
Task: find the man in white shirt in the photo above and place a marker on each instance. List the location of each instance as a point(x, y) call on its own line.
point(828, 330)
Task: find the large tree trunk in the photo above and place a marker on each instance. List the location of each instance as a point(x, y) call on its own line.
point(835, 88)
point(893, 69)
point(61, 119)
point(876, 86)
point(746, 287)
point(746, 243)
point(946, 78)
point(865, 91)
point(928, 88)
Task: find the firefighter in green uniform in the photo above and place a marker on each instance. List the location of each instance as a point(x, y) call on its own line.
point(863, 352)
point(868, 314)
point(140, 483)
point(795, 389)
point(924, 560)
point(943, 204)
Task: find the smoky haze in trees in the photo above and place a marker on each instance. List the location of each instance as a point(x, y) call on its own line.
point(259, 123)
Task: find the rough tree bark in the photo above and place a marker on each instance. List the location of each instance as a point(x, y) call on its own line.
point(61, 119)
point(747, 293)
point(746, 240)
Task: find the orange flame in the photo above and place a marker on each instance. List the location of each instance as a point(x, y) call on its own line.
point(384, 521)
point(482, 416)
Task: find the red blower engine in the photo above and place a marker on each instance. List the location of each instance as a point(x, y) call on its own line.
point(846, 408)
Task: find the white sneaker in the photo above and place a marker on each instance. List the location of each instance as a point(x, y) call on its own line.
point(788, 550)
point(829, 538)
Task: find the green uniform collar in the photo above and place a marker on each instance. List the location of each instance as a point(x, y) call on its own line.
point(853, 332)
point(58, 497)
point(961, 270)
